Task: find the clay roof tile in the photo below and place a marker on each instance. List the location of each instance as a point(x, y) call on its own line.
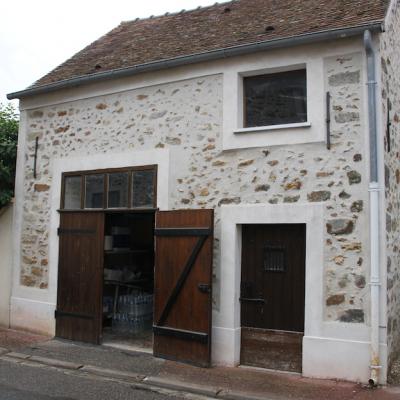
point(210, 28)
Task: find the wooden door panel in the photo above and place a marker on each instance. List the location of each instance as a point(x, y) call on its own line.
point(80, 275)
point(182, 304)
point(282, 292)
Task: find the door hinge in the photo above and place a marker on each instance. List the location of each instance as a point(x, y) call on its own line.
point(58, 314)
point(249, 300)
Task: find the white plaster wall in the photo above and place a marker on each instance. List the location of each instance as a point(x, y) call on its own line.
point(6, 238)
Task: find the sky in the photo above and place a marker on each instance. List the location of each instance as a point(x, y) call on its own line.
point(38, 35)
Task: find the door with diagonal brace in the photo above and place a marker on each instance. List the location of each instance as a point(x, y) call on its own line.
point(80, 276)
point(183, 274)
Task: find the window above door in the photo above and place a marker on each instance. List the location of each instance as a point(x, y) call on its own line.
point(269, 102)
point(122, 188)
point(275, 99)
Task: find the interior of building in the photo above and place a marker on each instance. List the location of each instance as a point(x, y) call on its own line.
point(128, 280)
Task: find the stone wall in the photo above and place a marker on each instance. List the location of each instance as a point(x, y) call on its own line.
point(390, 65)
point(186, 117)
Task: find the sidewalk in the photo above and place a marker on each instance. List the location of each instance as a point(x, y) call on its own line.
point(143, 369)
point(14, 340)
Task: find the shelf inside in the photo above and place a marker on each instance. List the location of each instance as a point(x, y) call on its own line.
point(127, 284)
point(128, 251)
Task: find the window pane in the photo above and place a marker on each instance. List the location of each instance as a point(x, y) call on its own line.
point(94, 191)
point(118, 190)
point(72, 192)
point(275, 99)
point(143, 188)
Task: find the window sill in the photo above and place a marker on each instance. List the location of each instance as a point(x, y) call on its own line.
point(272, 127)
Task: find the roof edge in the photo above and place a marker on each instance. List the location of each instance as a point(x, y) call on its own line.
point(182, 11)
point(376, 26)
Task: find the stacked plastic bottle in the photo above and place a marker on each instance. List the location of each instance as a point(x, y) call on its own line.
point(135, 313)
point(107, 304)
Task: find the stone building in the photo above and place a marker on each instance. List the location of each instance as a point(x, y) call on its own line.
point(283, 120)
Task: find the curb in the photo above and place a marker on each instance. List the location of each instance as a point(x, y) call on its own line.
point(54, 363)
point(20, 356)
point(111, 373)
point(137, 380)
point(182, 386)
point(3, 351)
point(234, 395)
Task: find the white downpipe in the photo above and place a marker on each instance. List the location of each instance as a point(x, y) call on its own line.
point(374, 282)
point(374, 207)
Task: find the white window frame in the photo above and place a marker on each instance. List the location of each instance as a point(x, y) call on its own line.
point(236, 136)
point(259, 128)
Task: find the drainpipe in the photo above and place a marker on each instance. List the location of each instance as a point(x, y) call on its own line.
point(374, 190)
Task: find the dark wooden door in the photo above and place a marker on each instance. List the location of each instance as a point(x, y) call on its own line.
point(183, 273)
point(272, 295)
point(80, 276)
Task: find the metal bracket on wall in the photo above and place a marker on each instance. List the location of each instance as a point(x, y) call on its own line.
point(35, 157)
point(388, 125)
point(328, 120)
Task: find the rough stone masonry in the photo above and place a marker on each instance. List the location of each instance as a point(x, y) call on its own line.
point(186, 117)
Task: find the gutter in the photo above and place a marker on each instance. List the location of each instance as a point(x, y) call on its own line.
point(199, 57)
point(374, 209)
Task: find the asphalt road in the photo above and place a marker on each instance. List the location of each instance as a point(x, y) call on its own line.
point(34, 382)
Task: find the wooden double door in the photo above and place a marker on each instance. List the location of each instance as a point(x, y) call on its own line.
point(183, 272)
point(273, 295)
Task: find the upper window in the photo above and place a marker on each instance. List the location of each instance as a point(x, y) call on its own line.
point(72, 192)
point(94, 191)
point(117, 188)
point(142, 188)
point(275, 99)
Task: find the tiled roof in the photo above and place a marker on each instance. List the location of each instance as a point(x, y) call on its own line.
point(211, 28)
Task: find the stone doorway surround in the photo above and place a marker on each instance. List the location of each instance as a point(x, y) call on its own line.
point(226, 323)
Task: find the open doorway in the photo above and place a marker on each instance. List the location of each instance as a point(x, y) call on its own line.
point(128, 283)
point(106, 256)
point(109, 275)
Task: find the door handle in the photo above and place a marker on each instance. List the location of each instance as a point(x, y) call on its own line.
point(248, 300)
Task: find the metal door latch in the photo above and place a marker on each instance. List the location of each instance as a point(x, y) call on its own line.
point(204, 288)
